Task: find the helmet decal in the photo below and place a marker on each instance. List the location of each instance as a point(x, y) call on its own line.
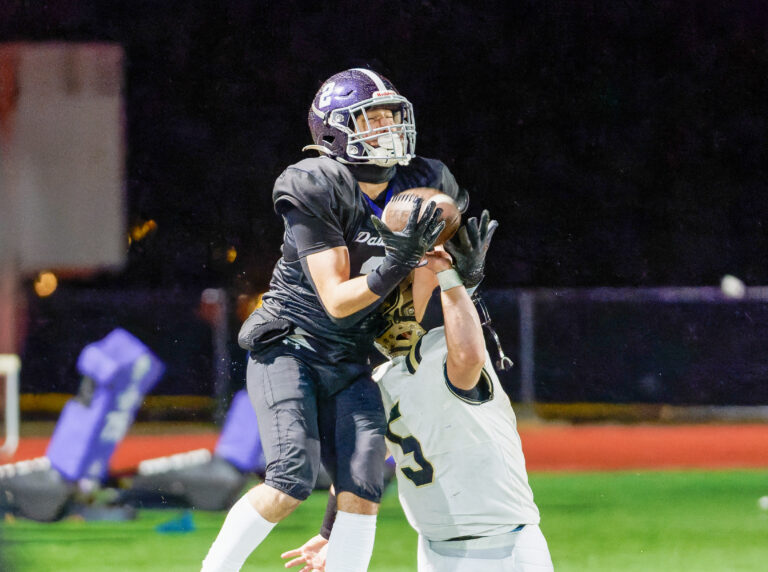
point(374, 76)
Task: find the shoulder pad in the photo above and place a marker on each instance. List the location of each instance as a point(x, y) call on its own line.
point(314, 185)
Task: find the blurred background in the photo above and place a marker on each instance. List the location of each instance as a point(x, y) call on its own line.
point(621, 145)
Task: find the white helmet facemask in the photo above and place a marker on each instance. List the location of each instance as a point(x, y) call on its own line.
point(389, 150)
point(383, 146)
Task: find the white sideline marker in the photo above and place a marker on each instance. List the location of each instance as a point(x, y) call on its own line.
point(10, 364)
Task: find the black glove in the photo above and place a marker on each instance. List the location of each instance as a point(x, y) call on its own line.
point(408, 246)
point(469, 246)
point(404, 249)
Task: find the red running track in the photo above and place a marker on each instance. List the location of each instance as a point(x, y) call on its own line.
point(547, 447)
point(612, 447)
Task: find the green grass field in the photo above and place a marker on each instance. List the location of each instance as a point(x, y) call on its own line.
point(627, 521)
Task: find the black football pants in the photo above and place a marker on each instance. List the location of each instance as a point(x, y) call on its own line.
point(300, 425)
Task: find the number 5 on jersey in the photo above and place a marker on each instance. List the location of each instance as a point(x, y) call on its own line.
point(426, 474)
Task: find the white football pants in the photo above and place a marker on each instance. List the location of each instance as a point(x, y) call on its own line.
point(523, 551)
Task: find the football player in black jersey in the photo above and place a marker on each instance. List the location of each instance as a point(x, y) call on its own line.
point(308, 373)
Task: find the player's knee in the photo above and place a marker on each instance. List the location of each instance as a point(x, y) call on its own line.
point(272, 504)
point(295, 472)
point(362, 480)
point(349, 502)
point(295, 485)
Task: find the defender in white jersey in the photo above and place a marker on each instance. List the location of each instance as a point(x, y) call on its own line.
point(451, 428)
point(460, 465)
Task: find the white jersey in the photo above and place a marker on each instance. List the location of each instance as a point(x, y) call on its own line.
point(460, 465)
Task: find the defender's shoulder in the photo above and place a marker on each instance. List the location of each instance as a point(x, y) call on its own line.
point(426, 172)
point(423, 167)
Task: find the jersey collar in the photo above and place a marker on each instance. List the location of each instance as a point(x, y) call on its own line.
point(377, 210)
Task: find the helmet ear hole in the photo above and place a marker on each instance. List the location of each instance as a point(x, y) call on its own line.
point(329, 139)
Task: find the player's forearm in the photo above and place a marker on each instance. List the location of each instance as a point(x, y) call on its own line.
point(349, 297)
point(464, 338)
point(463, 331)
point(344, 299)
point(348, 301)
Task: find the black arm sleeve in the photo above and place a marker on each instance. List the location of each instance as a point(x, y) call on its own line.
point(311, 233)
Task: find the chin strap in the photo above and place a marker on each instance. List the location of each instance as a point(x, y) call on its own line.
point(319, 148)
point(503, 363)
point(372, 173)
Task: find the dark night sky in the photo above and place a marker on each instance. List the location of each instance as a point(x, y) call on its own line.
point(618, 143)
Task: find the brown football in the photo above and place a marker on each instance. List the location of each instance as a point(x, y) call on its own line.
point(399, 208)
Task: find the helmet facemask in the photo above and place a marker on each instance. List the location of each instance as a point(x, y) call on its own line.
point(384, 146)
point(402, 330)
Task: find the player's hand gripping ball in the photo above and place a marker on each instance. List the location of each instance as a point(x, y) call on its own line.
point(399, 208)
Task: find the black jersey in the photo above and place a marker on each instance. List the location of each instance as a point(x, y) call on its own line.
point(326, 190)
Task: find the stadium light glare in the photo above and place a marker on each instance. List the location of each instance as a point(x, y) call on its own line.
point(45, 284)
point(140, 231)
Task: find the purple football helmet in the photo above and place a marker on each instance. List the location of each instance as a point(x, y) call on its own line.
point(338, 120)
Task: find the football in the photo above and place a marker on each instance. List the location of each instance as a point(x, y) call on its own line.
point(399, 208)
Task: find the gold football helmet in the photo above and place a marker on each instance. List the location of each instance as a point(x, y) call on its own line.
point(402, 330)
